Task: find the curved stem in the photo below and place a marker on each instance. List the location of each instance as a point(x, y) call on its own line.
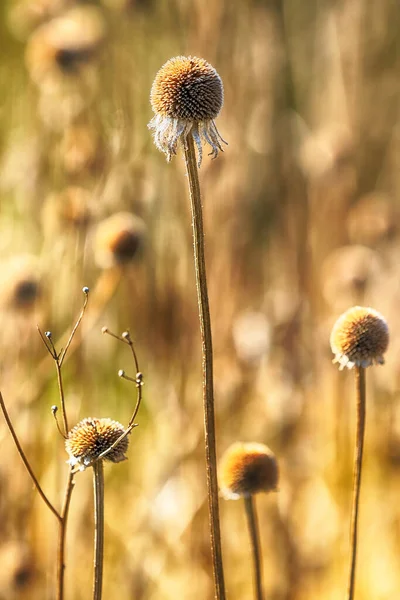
point(98, 488)
point(26, 462)
point(361, 411)
point(61, 537)
point(255, 544)
point(206, 341)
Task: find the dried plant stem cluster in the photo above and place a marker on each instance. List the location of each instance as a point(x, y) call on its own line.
point(88, 444)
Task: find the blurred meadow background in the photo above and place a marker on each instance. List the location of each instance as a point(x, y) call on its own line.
point(302, 222)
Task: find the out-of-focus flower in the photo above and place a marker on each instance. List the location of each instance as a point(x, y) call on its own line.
point(246, 469)
point(347, 273)
point(118, 239)
point(91, 437)
point(79, 148)
point(186, 96)
point(25, 15)
point(17, 569)
point(63, 47)
point(372, 219)
point(252, 336)
point(359, 337)
point(73, 207)
point(20, 283)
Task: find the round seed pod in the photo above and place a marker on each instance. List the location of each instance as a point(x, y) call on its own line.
point(246, 469)
point(91, 437)
point(359, 337)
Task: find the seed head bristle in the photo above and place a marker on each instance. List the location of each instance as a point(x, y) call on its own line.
point(359, 337)
point(247, 469)
point(91, 437)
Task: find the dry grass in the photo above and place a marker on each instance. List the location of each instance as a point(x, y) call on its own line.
point(312, 120)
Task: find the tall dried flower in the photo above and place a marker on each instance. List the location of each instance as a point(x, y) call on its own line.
point(186, 96)
point(359, 339)
point(246, 470)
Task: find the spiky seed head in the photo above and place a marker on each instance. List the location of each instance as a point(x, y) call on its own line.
point(189, 88)
point(186, 96)
point(246, 469)
point(91, 437)
point(359, 337)
point(118, 239)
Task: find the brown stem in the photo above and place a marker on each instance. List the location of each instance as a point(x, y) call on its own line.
point(361, 410)
point(61, 537)
point(26, 462)
point(206, 340)
point(255, 544)
point(98, 488)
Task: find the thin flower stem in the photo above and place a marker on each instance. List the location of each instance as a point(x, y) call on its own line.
point(26, 462)
point(255, 544)
point(206, 341)
point(62, 397)
point(358, 456)
point(98, 487)
point(61, 537)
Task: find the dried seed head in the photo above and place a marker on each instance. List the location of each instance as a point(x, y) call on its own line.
point(187, 88)
point(186, 96)
point(87, 440)
point(247, 469)
point(359, 337)
point(118, 239)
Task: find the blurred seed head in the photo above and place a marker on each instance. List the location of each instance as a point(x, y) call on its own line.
point(25, 15)
point(62, 46)
point(89, 438)
point(72, 208)
point(118, 239)
point(17, 569)
point(372, 220)
point(20, 283)
point(246, 469)
point(186, 96)
point(347, 273)
point(252, 336)
point(79, 149)
point(359, 337)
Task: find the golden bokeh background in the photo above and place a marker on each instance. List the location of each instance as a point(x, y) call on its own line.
point(302, 221)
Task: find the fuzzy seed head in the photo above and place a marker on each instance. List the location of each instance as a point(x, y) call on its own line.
point(118, 239)
point(187, 88)
point(89, 438)
point(247, 469)
point(186, 96)
point(360, 337)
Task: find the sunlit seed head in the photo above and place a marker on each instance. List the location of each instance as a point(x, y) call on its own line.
point(359, 337)
point(246, 469)
point(118, 239)
point(91, 437)
point(186, 96)
point(187, 88)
